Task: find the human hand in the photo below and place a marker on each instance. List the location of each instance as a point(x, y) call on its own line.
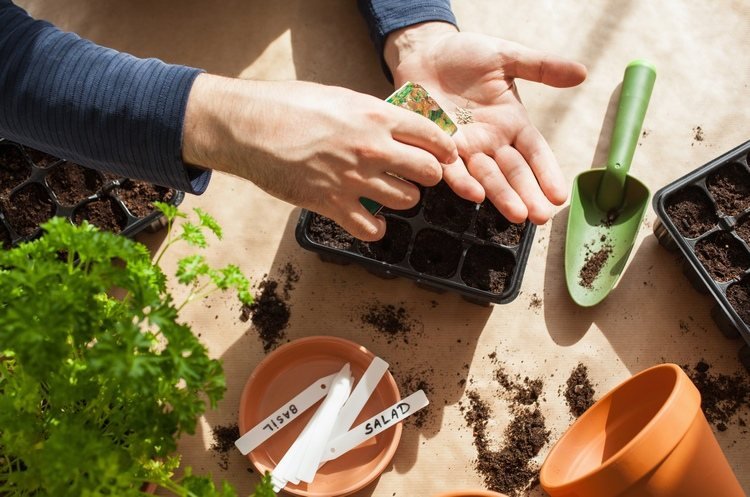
point(319, 147)
point(472, 77)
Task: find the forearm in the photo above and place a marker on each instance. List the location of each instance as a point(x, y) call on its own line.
point(385, 17)
point(95, 106)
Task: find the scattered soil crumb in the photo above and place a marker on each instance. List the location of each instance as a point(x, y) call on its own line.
point(224, 437)
point(610, 218)
point(509, 469)
point(524, 392)
point(393, 322)
point(593, 265)
point(270, 312)
point(579, 392)
point(698, 134)
point(535, 302)
point(684, 327)
point(723, 397)
point(410, 382)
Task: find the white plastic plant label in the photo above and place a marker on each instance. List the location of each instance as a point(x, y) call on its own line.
point(359, 397)
point(375, 425)
point(284, 415)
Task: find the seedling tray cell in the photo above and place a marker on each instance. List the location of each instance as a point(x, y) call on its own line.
point(705, 215)
point(35, 186)
point(444, 243)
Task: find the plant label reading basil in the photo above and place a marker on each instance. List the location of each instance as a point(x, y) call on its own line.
point(376, 425)
point(284, 415)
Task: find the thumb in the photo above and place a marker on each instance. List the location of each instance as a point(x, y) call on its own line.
point(534, 65)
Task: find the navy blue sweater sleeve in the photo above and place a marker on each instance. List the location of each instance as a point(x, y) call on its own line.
point(95, 106)
point(386, 16)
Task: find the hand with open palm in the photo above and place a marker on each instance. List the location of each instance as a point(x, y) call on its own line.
point(502, 155)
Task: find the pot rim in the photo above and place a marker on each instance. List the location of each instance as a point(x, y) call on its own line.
point(638, 456)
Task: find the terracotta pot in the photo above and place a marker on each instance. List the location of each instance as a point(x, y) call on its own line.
point(470, 493)
point(646, 438)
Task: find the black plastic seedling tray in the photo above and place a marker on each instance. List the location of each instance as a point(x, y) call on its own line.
point(705, 215)
point(444, 243)
point(33, 180)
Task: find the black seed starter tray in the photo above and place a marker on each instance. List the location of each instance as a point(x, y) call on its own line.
point(705, 215)
point(444, 243)
point(32, 176)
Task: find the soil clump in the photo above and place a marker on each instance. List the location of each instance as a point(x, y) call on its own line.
point(270, 311)
point(223, 444)
point(579, 392)
point(593, 264)
point(724, 398)
point(391, 321)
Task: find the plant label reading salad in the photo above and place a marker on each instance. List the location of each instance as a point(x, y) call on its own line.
point(376, 425)
point(282, 416)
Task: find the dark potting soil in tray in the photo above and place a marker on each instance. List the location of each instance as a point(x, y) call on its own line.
point(71, 183)
point(730, 187)
point(723, 255)
point(692, 212)
point(707, 215)
point(35, 186)
point(14, 168)
point(444, 242)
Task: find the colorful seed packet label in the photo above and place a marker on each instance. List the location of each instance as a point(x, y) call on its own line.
point(414, 97)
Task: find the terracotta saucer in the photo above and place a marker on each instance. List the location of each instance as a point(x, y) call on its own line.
point(286, 372)
point(470, 493)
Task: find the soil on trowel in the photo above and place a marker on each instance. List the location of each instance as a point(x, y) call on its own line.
point(723, 256)
point(593, 264)
point(579, 392)
point(730, 187)
point(725, 399)
point(691, 211)
point(223, 443)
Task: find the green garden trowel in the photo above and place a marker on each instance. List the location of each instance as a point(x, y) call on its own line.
point(607, 205)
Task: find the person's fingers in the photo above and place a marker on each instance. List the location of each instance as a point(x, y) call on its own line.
point(391, 191)
point(414, 129)
point(534, 148)
point(457, 176)
point(485, 170)
point(520, 177)
point(534, 65)
point(411, 163)
point(359, 223)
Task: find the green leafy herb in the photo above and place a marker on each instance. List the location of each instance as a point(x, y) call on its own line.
point(98, 377)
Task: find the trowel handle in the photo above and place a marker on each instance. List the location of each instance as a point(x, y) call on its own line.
point(637, 85)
